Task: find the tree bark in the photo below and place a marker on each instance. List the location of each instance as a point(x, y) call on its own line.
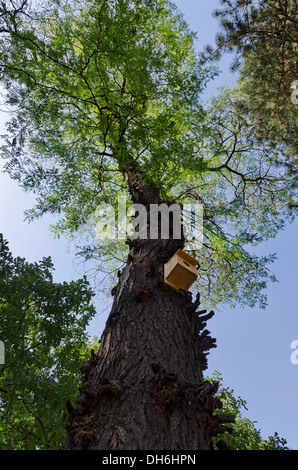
point(144, 389)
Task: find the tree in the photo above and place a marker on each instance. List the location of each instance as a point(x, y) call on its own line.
point(106, 99)
point(263, 36)
point(43, 328)
point(245, 435)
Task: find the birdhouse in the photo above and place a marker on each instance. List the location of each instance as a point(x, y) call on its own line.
point(180, 271)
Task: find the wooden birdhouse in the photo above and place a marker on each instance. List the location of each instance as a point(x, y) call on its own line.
point(180, 271)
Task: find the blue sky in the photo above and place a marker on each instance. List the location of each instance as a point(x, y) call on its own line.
point(253, 346)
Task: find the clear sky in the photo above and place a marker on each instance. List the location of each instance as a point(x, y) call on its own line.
point(253, 346)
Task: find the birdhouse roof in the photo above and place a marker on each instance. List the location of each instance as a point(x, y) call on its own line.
point(187, 257)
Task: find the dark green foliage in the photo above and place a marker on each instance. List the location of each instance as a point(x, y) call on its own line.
point(43, 328)
point(244, 435)
point(263, 36)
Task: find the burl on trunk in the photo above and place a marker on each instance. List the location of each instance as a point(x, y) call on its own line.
point(144, 389)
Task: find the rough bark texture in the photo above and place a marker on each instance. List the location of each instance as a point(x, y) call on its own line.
point(144, 390)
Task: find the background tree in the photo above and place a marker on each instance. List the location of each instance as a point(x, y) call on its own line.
point(244, 435)
point(263, 36)
point(43, 327)
point(106, 99)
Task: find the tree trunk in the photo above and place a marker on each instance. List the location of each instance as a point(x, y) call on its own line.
point(144, 390)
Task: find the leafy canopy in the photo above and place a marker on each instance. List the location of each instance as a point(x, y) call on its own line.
point(263, 37)
point(99, 88)
point(43, 328)
point(244, 435)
